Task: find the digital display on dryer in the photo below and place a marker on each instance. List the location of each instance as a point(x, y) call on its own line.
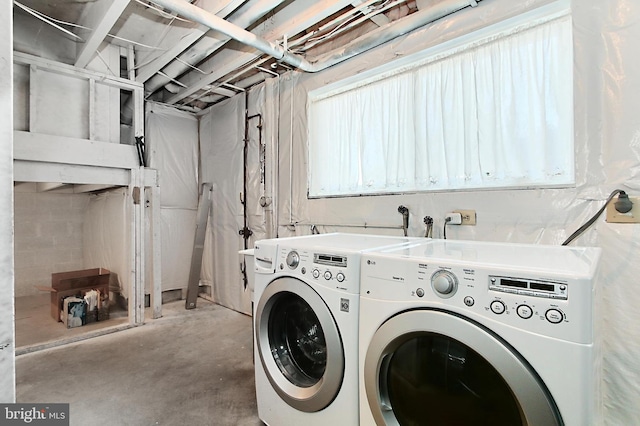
point(514, 283)
point(541, 286)
point(526, 287)
point(330, 260)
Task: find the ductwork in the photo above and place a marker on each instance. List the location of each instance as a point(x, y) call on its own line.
point(206, 46)
point(360, 45)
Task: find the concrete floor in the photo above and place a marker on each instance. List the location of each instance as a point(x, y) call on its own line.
point(190, 367)
point(36, 329)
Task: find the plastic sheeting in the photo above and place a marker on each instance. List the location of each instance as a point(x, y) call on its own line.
point(107, 235)
point(222, 134)
point(221, 141)
point(172, 144)
point(607, 152)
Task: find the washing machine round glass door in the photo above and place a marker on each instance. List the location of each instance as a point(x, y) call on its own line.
point(428, 367)
point(299, 344)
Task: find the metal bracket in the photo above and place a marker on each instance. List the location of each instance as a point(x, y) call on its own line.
point(245, 232)
point(141, 151)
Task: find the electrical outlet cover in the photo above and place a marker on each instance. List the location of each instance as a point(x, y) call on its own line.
point(468, 216)
point(632, 216)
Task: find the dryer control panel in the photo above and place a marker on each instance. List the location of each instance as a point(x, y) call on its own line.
point(529, 287)
point(536, 301)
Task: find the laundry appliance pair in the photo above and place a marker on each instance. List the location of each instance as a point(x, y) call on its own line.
point(442, 333)
point(306, 309)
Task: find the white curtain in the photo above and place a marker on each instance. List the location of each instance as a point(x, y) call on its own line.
point(498, 113)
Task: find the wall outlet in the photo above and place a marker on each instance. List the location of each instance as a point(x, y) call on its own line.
point(632, 216)
point(469, 216)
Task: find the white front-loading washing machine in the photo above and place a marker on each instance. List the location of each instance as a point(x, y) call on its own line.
point(472, 333)
point(306, 307)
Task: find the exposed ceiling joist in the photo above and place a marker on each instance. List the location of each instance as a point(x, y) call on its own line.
point(145, 72)
point(101, 16)
point(207, 46)
point(379, 20)
point(193, 53)
point(294, 18)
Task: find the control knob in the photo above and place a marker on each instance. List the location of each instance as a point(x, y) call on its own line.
point(444, 283)
point(293, 259)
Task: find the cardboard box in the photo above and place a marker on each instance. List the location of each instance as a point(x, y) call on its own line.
point(77, 283)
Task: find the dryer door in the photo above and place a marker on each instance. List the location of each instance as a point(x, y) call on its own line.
point(299, 344)
point(428, 367)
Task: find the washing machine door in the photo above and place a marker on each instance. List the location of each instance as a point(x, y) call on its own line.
point(429, 367)
point(299, 344)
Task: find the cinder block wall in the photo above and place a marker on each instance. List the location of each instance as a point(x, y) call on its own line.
point(48, 236)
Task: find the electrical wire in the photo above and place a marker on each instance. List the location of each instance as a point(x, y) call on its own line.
point(46, 19)
point(591, 221)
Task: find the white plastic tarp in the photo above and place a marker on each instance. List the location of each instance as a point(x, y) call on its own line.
point(107, 235)
point(222, 134)
point(221, 142)
point(607, 156)
point(172, 148)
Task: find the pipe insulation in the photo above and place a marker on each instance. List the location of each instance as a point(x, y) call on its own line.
point(369, 41)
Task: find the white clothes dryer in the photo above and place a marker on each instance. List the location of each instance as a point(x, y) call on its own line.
point(474, 333)
point(306, 310)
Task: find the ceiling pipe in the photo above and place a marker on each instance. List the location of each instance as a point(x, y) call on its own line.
point(360, 45)
point(206, 46)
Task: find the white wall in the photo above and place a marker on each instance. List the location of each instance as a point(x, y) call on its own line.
point(7, 319)
point(48, 236)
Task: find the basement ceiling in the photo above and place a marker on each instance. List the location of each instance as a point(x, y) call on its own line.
point(186, 64)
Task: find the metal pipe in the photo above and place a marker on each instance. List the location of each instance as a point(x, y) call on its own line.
point(360, 45)
point(214, 22)
point(205, 46)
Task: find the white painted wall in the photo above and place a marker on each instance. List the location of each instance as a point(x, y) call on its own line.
point(7, 318)
point(48, 236)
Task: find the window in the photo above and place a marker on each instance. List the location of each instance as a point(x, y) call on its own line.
point(493, 112)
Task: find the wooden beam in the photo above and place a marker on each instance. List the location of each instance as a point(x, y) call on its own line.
point(49, 186)
point(100, 15)
point(59, 149)
point(380, 19)
point(81, 189)
point(59, 67)
point(31, 171)
point(222, 9)
point(294, 18)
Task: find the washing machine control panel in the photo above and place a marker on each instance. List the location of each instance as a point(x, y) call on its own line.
point(330, 269)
